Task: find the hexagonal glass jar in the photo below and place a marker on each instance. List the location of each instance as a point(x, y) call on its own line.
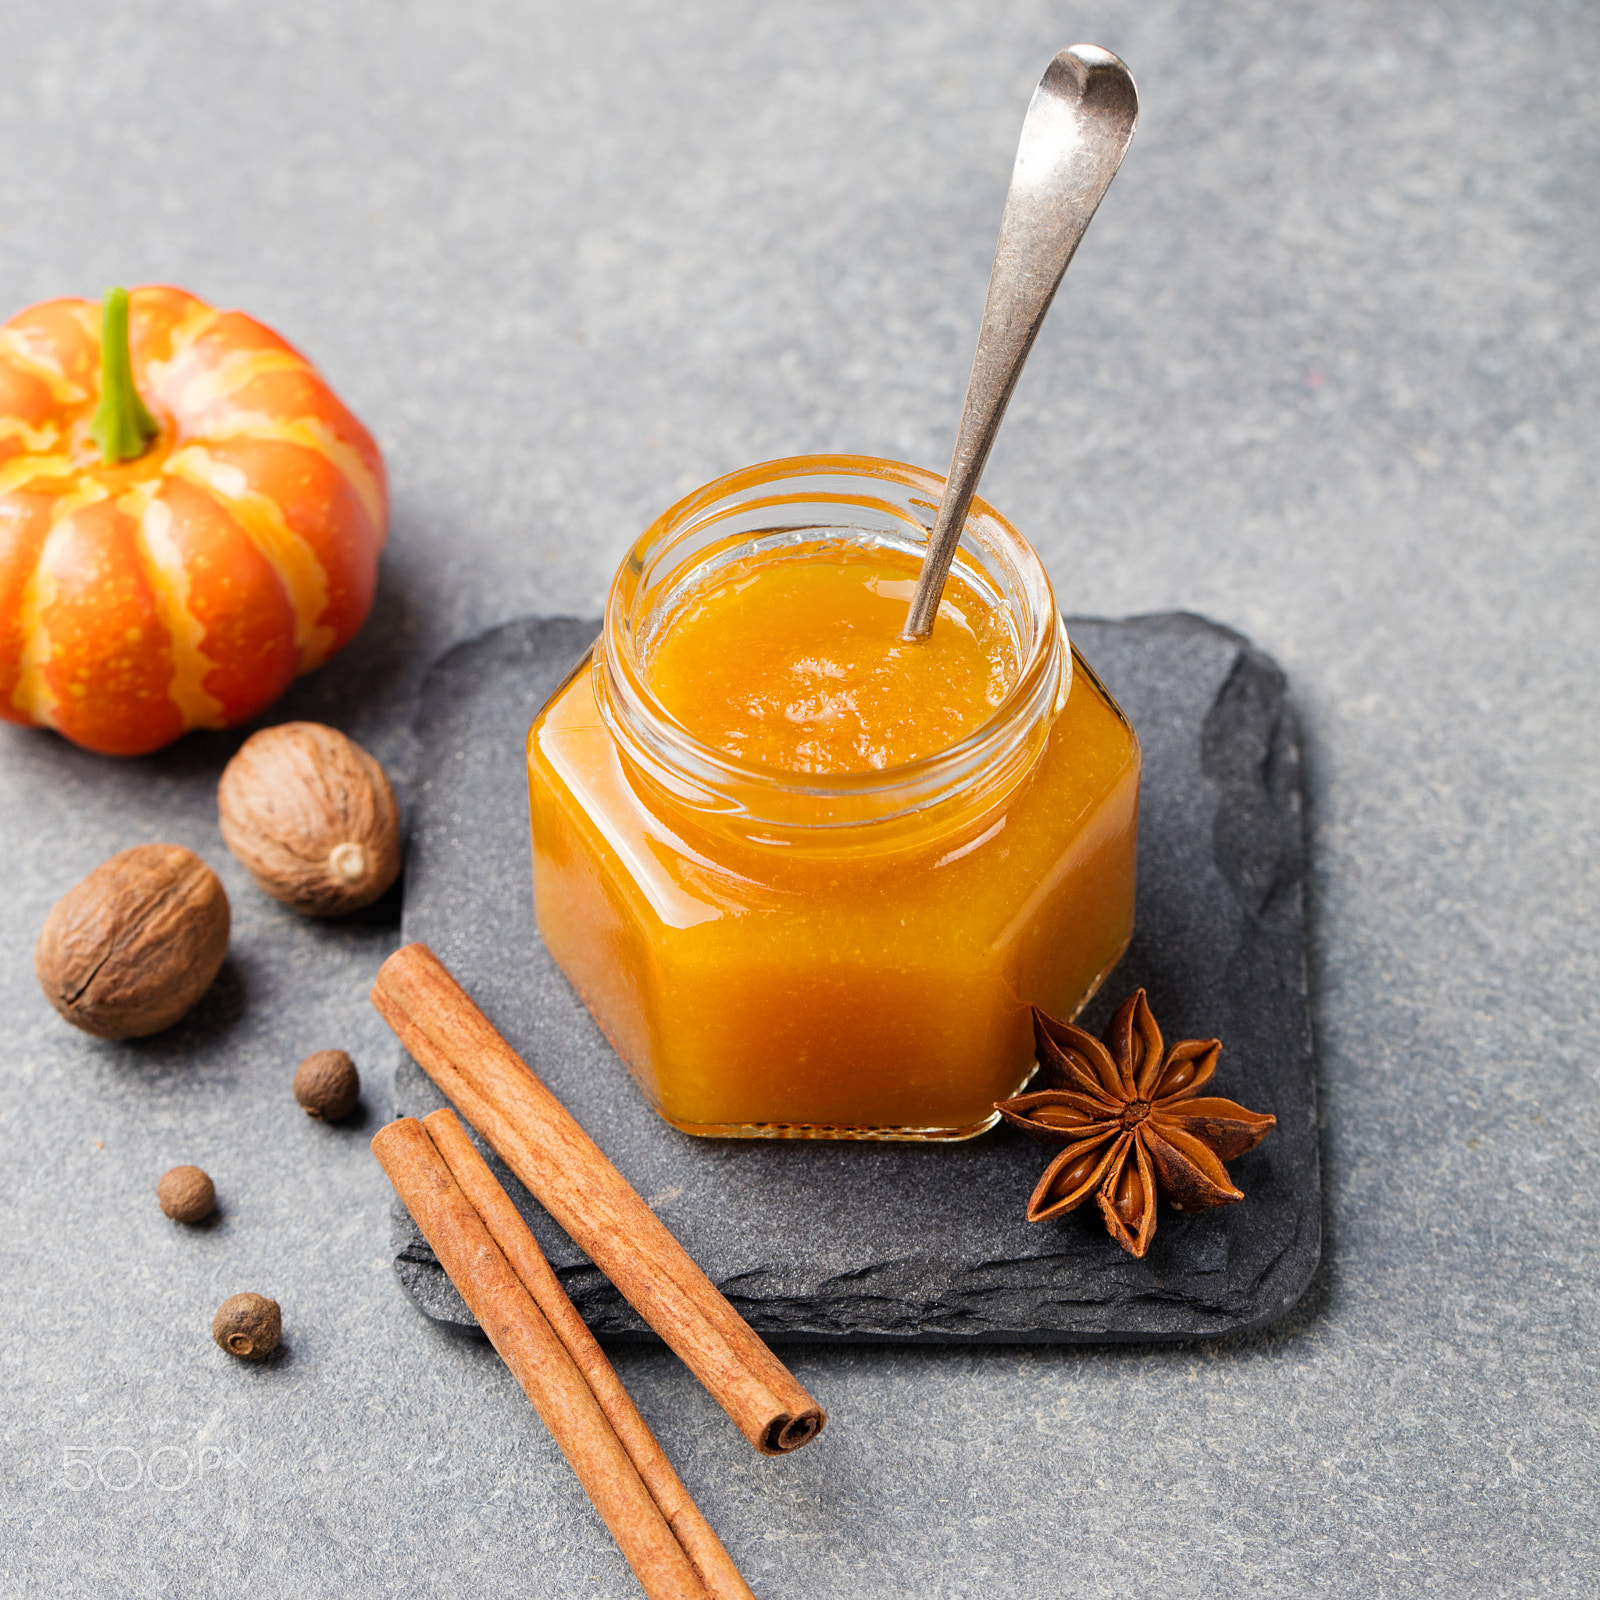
point(780, 955)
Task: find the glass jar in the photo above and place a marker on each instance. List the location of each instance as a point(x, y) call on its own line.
point(781, 955)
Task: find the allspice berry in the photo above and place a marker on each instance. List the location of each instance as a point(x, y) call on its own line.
point(187, 1194)
point(327, 1085)
point(312, 817)
point(134, 946)
point(249, 1326)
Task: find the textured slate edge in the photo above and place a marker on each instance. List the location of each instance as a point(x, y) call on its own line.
point(1250, 754)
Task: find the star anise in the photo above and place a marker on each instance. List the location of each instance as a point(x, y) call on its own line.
point(1128, 1116)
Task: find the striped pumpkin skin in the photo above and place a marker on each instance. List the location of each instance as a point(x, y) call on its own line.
point(189, 587)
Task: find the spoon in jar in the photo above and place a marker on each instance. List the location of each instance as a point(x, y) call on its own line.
point(1073, 140)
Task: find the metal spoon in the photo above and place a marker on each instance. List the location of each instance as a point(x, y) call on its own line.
point(1073, 139)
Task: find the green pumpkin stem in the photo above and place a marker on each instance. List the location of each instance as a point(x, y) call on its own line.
point(122, 426)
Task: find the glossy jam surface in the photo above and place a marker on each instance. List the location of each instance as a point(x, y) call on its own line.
point(867, 981)
point(793, 660)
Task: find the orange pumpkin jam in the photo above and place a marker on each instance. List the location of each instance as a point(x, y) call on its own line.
point(796, 662)
point(829, 934)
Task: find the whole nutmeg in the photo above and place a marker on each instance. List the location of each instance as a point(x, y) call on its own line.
point(312, 817)
point(132, 947)
point(249, 1326)
point(327, 1085)
point(187, 1194)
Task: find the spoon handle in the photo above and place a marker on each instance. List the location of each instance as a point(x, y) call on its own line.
point(1073, 139)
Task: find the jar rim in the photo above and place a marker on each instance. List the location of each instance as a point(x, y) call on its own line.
point(650, 733)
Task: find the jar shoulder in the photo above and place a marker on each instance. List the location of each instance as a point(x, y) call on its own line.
point(1086, 769)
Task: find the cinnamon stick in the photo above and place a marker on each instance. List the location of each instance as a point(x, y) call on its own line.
point(537, 1359)
point(535, 1135)
point(521, 1250)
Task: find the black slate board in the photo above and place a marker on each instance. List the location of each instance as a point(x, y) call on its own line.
point(872, 1242)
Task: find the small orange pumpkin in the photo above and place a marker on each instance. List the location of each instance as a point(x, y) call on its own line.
point(189, 518)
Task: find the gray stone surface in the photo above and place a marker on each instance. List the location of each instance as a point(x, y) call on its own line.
point(1326, 369)
point(885, 1242)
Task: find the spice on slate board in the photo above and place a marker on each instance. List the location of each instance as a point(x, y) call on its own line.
point(508, 1230)
point(540, 1140)
point(537, 1359)
point(1127, 1114)
point(249, 1326)
point(327, 1085)
point(186, 1194)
